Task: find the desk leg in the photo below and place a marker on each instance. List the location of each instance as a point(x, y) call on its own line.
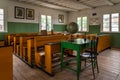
point(78, 64)
point(61, 58)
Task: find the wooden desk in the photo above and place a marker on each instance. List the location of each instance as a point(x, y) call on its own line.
point(78, 45)
point(6, 63)
point(103, 42)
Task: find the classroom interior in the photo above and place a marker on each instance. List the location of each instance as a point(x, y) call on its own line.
point(59, 40)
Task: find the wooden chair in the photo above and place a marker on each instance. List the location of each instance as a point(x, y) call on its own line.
point(91, 54)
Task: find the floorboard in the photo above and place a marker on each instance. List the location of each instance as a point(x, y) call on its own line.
point(109, 65)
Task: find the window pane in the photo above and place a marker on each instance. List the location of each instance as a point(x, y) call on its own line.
point(1, 22)
point(1, 16)
point(1, 19)
point(1, 11)
point(115, 22)
point(49, 22)
point(106, 22)
point(84, 24)
point(1, 26)
point(43, 22)
point(79, 21)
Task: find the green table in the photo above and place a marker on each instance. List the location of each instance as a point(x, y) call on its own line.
point(78, 45)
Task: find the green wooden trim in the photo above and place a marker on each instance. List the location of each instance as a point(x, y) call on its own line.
point(19, 27)
point(59, 27)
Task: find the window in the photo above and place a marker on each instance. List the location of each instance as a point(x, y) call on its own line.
point(43, 22)
point(106, 21)
point(111, 22)
point(46, 22)
point(115, 22)
point(82, 23)
point(49, 23)
point(2, 28)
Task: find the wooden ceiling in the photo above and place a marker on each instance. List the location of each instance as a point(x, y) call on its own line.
point(71, 5)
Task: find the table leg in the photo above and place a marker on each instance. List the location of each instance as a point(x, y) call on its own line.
point(61, 59)
point(78, 64)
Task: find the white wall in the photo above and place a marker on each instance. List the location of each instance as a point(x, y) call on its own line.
point(9, 8)
point(72, 17)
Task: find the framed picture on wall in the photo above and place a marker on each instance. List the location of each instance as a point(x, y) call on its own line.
point(19, 12)
point(94, 21)
point(61, 18)
point(29, 14)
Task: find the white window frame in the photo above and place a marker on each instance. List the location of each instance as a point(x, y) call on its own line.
point(40, 24)
point(110, 31)
point(82, 24)
point(5, 20)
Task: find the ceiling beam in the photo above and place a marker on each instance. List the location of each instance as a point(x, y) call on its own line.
point(89, 6)
point(109, 2)
point(52, 3)
point(83, 3)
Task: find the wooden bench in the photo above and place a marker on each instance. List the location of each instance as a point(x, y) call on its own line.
point(2, 43)
point(16, 39)
point(6, 63)
point(16, 45)
point(20, 46)
point(52, 52)
point(9, 39)
point(39, 41)
point(23, 45)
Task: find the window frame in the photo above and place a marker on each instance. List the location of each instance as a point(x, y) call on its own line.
point(82, 24)
point(110, 31)
point(5, 20)
point(40, 23)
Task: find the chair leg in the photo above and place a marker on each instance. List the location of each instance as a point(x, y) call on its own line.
point(97, 65)
point(85, 62)
point(94, 62)
point(93, 67)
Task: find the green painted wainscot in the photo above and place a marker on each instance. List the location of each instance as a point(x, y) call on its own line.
point(59, 27)
point(115, 37)
point(19, 27)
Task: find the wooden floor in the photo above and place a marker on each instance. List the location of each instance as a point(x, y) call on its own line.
point(109, 65)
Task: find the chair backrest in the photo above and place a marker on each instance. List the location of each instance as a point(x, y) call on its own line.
point(93, 44)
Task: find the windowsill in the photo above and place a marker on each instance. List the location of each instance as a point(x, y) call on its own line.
point(3, 31)
point(110, 32)
point(82, 31)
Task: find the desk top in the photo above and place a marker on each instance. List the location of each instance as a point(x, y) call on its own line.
point(78, 41)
